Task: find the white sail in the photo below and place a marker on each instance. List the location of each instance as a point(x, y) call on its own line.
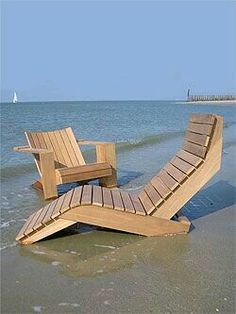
point(15, 100)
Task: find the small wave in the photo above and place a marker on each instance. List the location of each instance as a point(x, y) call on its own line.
point(8, 246)
point(229, 124)
point(229, 143)
point(6, 223)
point(147, 141)
point(89, 154)
point(136, 188)
point(39, 252)
point(16, 170)
point(105, 246)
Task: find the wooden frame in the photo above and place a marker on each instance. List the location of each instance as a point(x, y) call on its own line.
point(151, 212)
point(59, 160)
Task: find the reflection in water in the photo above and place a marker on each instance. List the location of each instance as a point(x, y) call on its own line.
point(90, 255)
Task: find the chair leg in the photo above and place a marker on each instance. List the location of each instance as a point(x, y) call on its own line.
point(49, 189)
point(109, 182)
point(49, 193)
point(106, 153)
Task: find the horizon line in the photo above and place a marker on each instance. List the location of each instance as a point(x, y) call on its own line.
point(102, 100)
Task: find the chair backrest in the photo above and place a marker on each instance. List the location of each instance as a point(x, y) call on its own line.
point(198, 134)
point(62, 142)
point(196, 145)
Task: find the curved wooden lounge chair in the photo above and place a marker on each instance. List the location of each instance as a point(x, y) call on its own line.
point(150, 212)
point(59, 160)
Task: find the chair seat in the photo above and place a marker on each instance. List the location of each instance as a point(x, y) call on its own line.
point(83, 173)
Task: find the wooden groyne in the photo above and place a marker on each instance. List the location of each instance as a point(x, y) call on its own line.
point(211, 97)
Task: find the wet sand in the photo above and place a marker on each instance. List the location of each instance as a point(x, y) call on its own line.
point(212, 102)
point(103, 271)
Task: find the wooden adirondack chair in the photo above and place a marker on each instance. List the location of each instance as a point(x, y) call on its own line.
point(59, 160)
point(149, 213)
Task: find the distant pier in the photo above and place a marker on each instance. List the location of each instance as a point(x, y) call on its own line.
point(206, 98)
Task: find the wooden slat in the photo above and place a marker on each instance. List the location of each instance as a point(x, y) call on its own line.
point(190, 158)
point(153, 194)
point(168, 180)
point(39, 223)
point(21, 233)
point(97, 195)
point(47, 141)
point(182, 165)
point(147, 203)
point(41, 140)
point(107, 199)
point(161, 188)
point(84, 176)
point(117, 200)
point(195, 149)
point(56, 148)
point(178, 175)
point(202, 118)
point(200, 128)
point(62, 147)
point(87, 195)
point(199, 139)
point(67, 201)
point(76, 198)
point(45, 138)
point(69, 147)
point(138, 206)
point(84, 168)
point(49, 212)
point(30, 139)
point(36, 221)
point(127, 202)
point(75, 146)
point(35, 140)
point(56, 211)
point(50, 147)
point(198, 178)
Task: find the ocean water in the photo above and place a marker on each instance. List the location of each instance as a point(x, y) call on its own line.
point(146, 134)
point(99, 271)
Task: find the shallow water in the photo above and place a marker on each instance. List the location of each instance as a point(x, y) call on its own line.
point(90, 270)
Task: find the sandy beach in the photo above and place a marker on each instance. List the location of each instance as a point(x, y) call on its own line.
point(92, 270)
point(111, 272)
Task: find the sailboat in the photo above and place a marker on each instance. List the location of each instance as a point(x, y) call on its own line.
point(14, 100)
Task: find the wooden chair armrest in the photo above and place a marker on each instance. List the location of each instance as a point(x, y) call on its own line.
point(105, 151)
point(27, 149)
point(85, 142)
point(46, 166)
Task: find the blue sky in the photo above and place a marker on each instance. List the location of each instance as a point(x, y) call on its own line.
point(113, 50)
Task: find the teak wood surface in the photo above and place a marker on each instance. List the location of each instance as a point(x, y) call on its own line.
point(151, 212)
point(59, 160)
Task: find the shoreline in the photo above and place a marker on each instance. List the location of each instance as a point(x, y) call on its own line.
point(215, 102)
